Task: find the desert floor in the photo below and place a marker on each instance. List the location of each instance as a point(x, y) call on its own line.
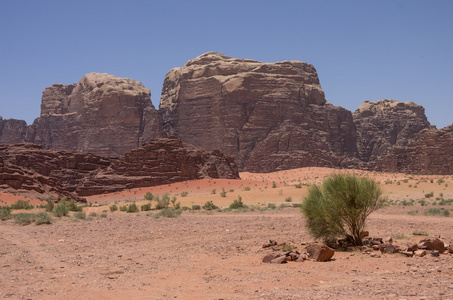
point(217, 255)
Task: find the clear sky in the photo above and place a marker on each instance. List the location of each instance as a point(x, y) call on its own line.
point(362, 50)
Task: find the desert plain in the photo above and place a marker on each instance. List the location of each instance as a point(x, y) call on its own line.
point(217, 254)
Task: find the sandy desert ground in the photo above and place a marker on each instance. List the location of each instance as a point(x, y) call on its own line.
point(217, 255)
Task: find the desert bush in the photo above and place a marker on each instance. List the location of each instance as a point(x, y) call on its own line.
point(132, 208)
point(440, 181)
point(184, 194)
point(437, 212)
point(24, 218)
point(148, 196)
point(21, 204)
point(271, 206)
point(297, 204)
point(5, 213)
point(274, 185)
point(247, 188)
point(176, 205)
point(446, 202)
point(72, 206)
point(289, 199)
point(146, 207)
point(49, 205)
point(237, 203)
point(213, 192)
point(60, 210)
point(340, 206)
point(43, 218)
point(123, 208)
point(298, 186)
point(429, 195)
point(93, 214)
point(80, 215)
point(113, 207)
point(103, 215)
point(209, 206)
point(223, 193)
point(168, 213)
point(184, 208)
point(196, 207)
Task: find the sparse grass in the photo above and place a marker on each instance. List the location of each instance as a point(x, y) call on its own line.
point(288, 199)
point(168, 213)
point(24, 218)
point(247, 188)
point(93, 215)
point(123, 208)
point(148, 196)
point(5, 213)
point(223, 193)
point(209, 206)
point(43, 218)
point(400, 236)
point(60, 210)
point(21, 204)
point(80, 215)
point(420, 232)
point(437, 212)
point(271, 206)
point(132, 208)
point(196, 207)
point(146, 207)
point(213, 192)
point(113, 207)
point(184, 194)
point(429, 195)
point(237, 203)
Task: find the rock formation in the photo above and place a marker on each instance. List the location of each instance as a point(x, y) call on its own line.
point(429, 152)
point(12, 131)
point(386, 123)
point(269, 116)
point(102, 114)
point(160, 161)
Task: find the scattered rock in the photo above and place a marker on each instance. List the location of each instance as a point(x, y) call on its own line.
point(279, 260)
point(432, 244)
point(407, 253)
point(268, 258)
point(435, 253)
point(420, 253)
point(389, 248)
point(320, 252)
point(375, 255)
point(412, 247)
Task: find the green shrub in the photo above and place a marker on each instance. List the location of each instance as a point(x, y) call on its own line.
point(93, 214)
point(176, 205)
point(5, 213)
point(298, 186)
point(123, 208)
point(209, 206)
point(148, 196)
point(437, 212)
point(271, 206)
point(184, 194)
point(24, 218)
point(289, 199)
point(223, 193)
point(297, 204)
point(247, 188)
point(103, 215)
point(146, 207)
point(440, 181)
point(429, 195)
point(21, 204)
point(184, 208)
point(274, 185)
point(80, 215)
point(162, 203)
point(43, 218)
point(446, 202)
point(168, 213)
point(49, 205)
point(60, 210)
point(340, 206)
point(237, 203)
point(213, 192)
point(196, 207)
point(72, 205)
point(113, 207)
point(132, 208)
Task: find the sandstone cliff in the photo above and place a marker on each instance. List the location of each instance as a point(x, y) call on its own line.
point(269, 116)
point(429, 152)
point(160, 161)
point(102, 114)
point(386, 123)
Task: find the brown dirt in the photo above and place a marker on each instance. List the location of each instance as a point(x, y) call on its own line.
point(217, 255)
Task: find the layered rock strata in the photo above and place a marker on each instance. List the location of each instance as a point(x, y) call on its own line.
point(160, 161)
point(269, 116)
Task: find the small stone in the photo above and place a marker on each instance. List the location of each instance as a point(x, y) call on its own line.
point(407, 253)
point(420, 253)
point(435, 253)
point(268, 258)
point(412, 247)
point(375, 255)
point(320, 252)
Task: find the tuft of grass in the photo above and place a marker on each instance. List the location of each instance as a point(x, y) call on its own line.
point(196, 207)
point(271, 206)
point(43, 218)
point(247, 188)
point(223, 193)
point(420, 232)
point(146, 207)
point(237, 203)
point(60, 210)
point(113, 208)
point(209, 206)
point(123, 208)
point(184, 194)
point(289, 199)
point(213, 192)
point(80, 215)
point(437, 212)
point(5, 213)
point(132, 208)
point(168, 213)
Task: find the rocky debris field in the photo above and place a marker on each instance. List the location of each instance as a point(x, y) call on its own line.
point(216, 255)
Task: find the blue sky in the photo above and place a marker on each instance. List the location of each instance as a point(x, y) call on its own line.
point(362, 50)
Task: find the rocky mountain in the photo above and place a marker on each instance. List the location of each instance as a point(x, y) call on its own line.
point(67, 173)
point(102, 114)
point(269, 116)
point(386, 123)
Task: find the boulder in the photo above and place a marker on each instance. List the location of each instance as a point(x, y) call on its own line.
point(432, 244)
point(268, 258)
point(279, 260)
point(320, 252)
point(450, 247)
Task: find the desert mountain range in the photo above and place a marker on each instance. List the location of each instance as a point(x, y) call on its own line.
point(267, 116)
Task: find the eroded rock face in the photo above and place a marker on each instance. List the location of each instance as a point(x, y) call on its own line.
point(429, 152)
point(102, 114)
point(386, 123)
point(269, 116)
point(160, 161)
point(12, 131)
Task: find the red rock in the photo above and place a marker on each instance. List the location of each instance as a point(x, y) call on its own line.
point(412, 247)
point(279, 260)
point(389, 248)
point(450, 247)
point(320, 252)
point(432, 244)
point(268, 258)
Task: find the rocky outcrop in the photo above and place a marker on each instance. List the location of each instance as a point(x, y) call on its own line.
point(384, 124)
point(102, 114)
point(269, 116)
point(429, 152)
point(160, 161)
point(12, 131)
